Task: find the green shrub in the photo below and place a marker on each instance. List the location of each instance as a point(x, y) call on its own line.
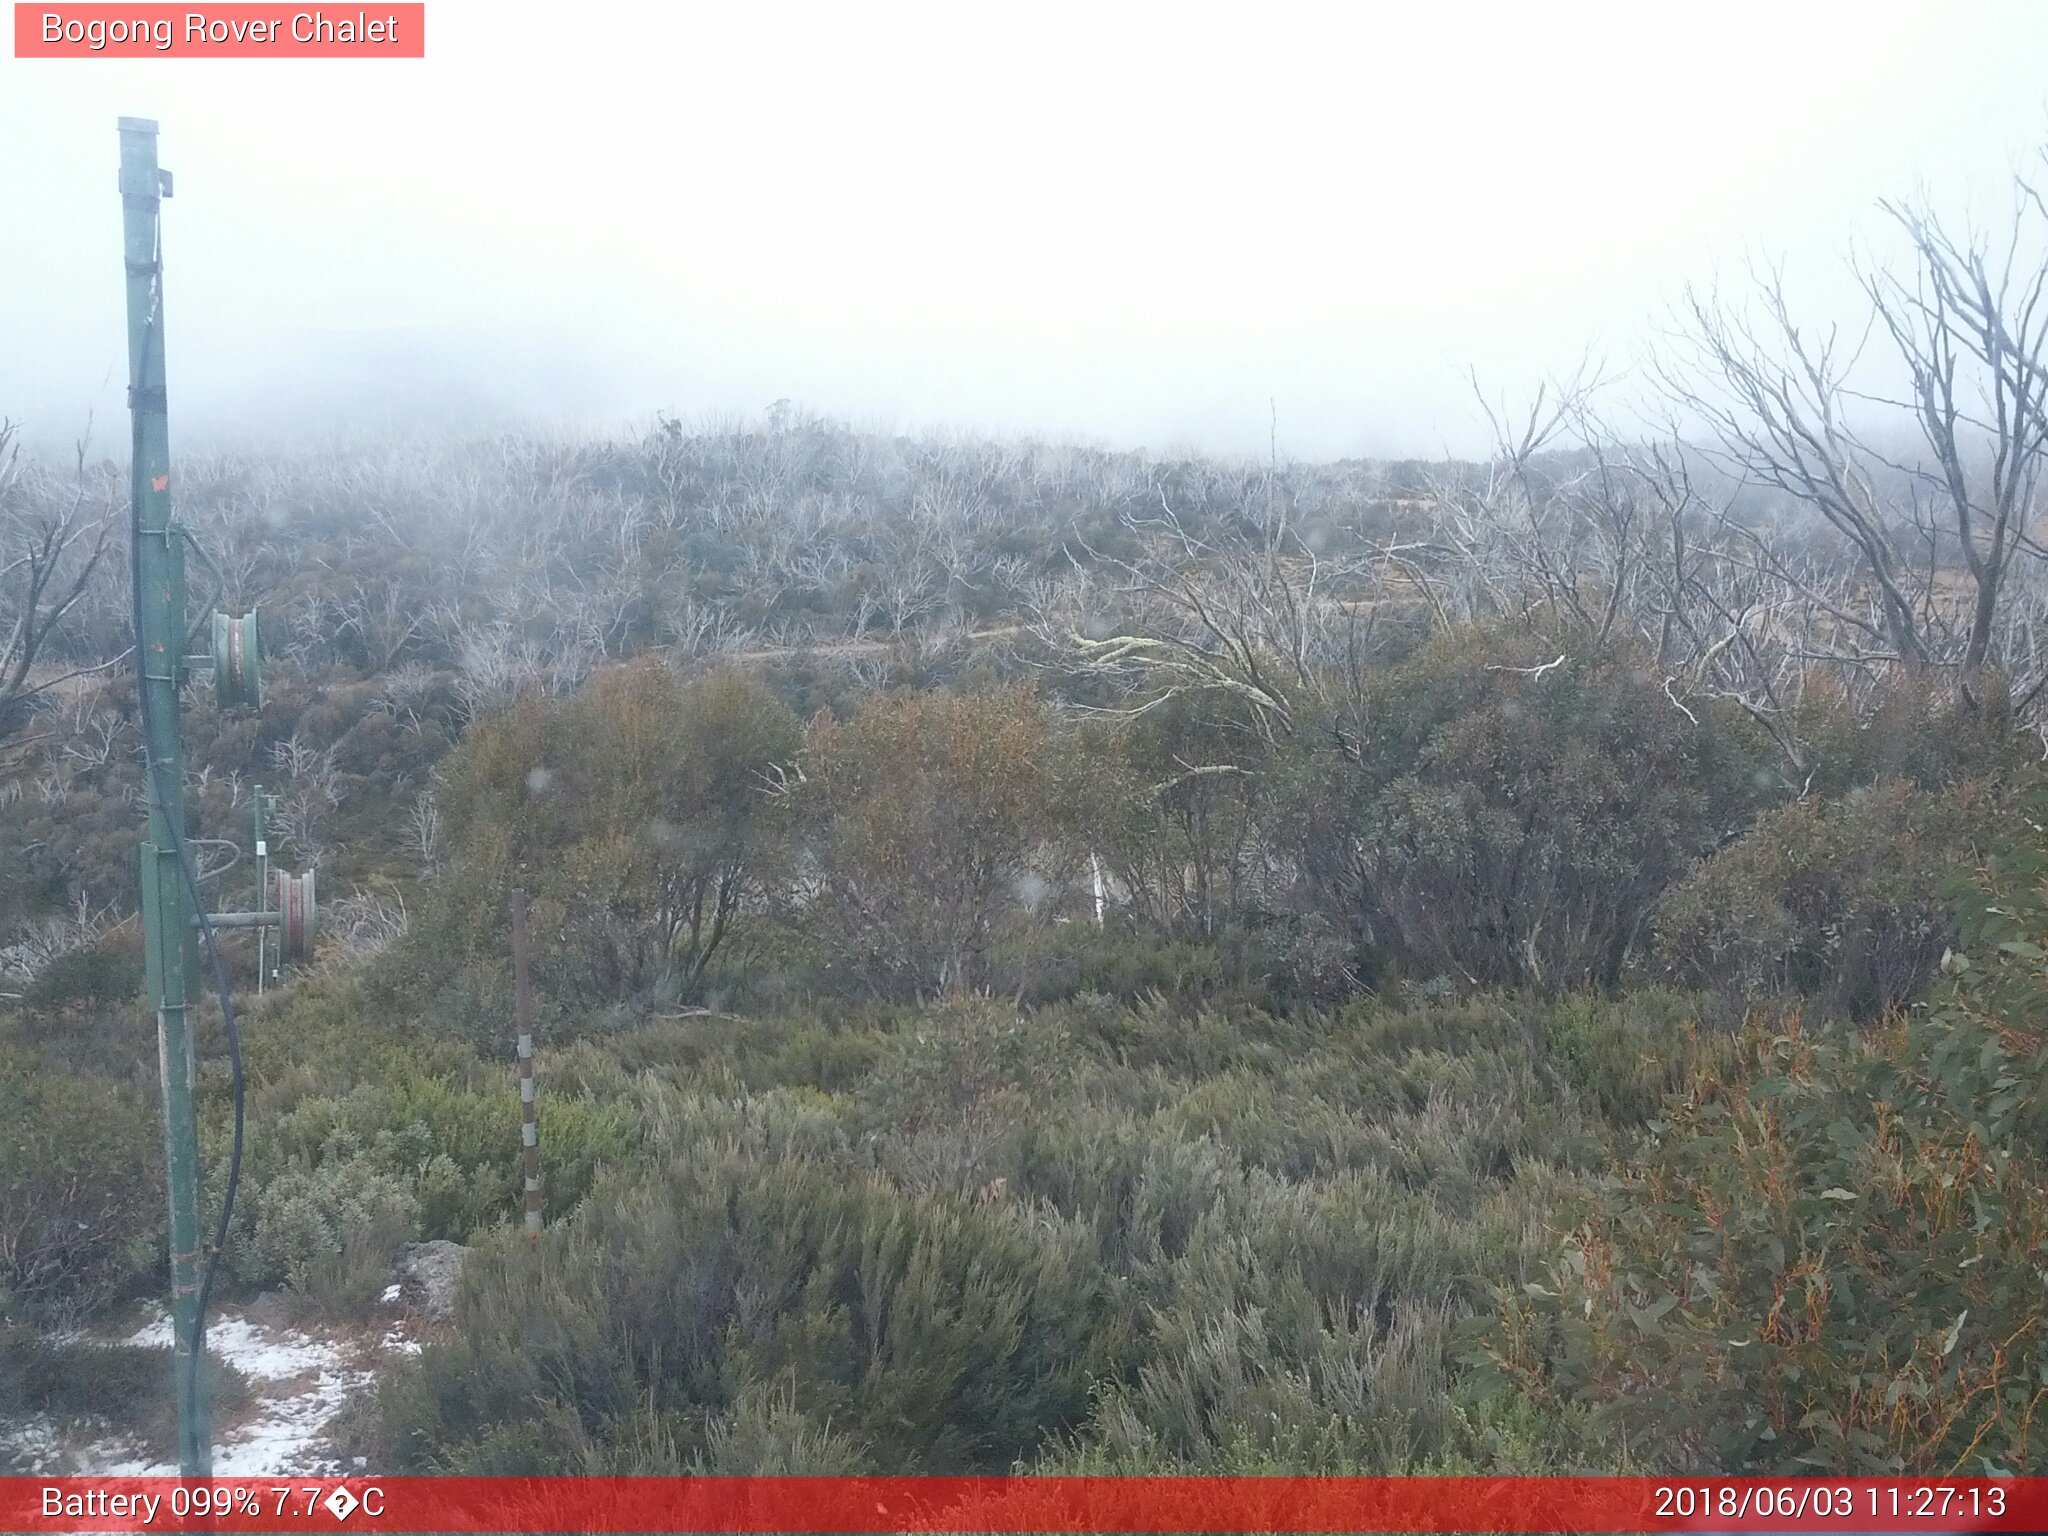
point(1628, 1053)
point(1500, 825)
point(1113, 961)
point(103, 974)
point(1189, 853)
point(1829, 1258)
point(81, 1189)
point(1186, 1040)
point(1142, 1186)
point(301, 1221)
point(932, 826)
point(345, 1284)
point(828, 1052)
point(1915, 731)
point(635, 814)
point(1222, 1396)
point(782, 1124)
point(1839, 901)
point(94, 1388)
point(361, 1139)
point(938, 1335)
point(947, 1098)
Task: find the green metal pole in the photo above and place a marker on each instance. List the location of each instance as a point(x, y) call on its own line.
point(167, 918)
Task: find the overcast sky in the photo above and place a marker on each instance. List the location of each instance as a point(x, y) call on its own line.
point(1125, 224)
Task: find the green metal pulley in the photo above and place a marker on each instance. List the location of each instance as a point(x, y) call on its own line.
point(237, 661)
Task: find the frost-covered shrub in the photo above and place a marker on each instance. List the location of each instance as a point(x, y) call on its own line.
point(304, 1216)
point(932, 1334)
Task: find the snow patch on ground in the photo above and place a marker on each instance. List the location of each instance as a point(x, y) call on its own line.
point(261, 1354)
point(300, 1383)
point(35, 1441)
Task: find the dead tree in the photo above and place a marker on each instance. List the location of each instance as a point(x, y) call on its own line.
point(1942, 537)
point(1242, 617)
point(51, 542)
point(1971, 329)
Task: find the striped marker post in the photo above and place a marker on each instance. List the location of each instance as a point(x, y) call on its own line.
point(522, 1010)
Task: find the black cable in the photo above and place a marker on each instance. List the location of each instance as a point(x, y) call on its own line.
point(186, 861)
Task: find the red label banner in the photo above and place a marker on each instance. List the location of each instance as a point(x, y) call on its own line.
point(1017, 1504)
point(225, 31)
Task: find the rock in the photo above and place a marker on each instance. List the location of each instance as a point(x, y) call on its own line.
point(271, 1309)
point(431, 1272)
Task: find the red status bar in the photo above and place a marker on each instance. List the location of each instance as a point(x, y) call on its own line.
point(1018, 1504)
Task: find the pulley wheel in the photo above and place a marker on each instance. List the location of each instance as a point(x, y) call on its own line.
point(237, 662)
point(298, 916)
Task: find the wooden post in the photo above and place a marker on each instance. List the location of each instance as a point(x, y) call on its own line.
point(522, 1010)
point(262, 891)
